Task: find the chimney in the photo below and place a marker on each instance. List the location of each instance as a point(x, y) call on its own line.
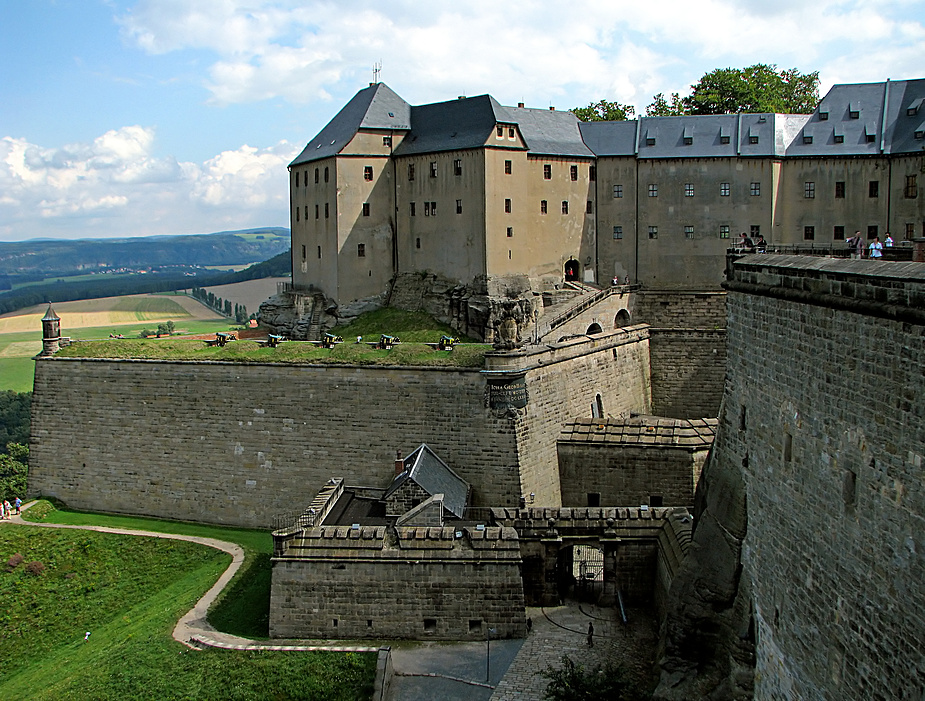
point(371, 84)
point(552, 109)
point(399, 463)
point(520, 104)
point(460, 97)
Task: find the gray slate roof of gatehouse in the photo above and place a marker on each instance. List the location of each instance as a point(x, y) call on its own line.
point(610, 138)
point(903, 96)
point(453, 125)
point(550, 133)
point(434, 476)
point(375, 107)
point(867, 99)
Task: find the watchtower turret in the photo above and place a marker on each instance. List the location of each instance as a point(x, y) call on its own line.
point(51, 332)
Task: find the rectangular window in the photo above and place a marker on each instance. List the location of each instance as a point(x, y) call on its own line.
point(590, 207)
point(457, 167)
point(547, 171)
point(618, 232)
point(542, 206)
point(427, 209)
point(592, 173)
point(433, 169)
point(724, 231)
point(910, 231)
point(411, 171)
point(809, 233)
point(367, 173)
point(872, 231)
point(387, 141)
point(417, 242)
point(507, 168)
point(326, 174)
point(807, 139)
point(316, 211)
point(838, 233)
point(361, 250)
point(688, 232)
point(510, 232)
point(755, 189)
point(366, 209)
point(319, 251)
point(499, 131)
point(459, 206)
point(306, 212)
point(823, 116)
point(507, 206)
point(911, 190)
point(297, 178)
point(809, 190)
point(297, 210)
point(650, 141)
point(724, 139)
point(839, 190)
point(854, 114)
point(688, 189)
point(573, 173)
point(688, 140)
point(873, 188)
point(753, 139)
point(565, 206)
point(326, 211)
point(653, 232)
point(724, 189)
point(653, 190)
point(303, 252)
point(755, 230)
point(838, 138)
point(510, 132)
point(411, 207)
point(617, 191)
point(433, 209)
point(316, 175)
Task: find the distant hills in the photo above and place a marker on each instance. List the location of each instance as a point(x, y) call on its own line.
point(40, 271)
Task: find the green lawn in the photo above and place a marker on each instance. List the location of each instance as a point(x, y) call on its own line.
point(129, 592)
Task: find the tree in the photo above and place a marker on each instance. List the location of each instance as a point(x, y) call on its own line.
point(661, 107)
point(571, 682)
point(14, 417)
point(604, 111)
point(758, 88)
point(14, 470)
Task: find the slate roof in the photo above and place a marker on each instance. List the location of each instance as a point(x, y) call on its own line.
point(375, 107)
point(434, 476)
point(549, 133)
point(905, 116)
point(453, 125)
point(610, 138)
point(688, 434)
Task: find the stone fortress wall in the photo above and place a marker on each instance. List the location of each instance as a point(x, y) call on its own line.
point(237, 444)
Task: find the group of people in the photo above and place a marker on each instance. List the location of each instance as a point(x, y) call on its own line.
point(7, 510)
point(874, 250)
point(759, 245)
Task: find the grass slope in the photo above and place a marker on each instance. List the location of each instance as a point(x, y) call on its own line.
point(129, 592)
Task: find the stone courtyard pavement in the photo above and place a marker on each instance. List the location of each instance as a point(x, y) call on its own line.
point(563, 630)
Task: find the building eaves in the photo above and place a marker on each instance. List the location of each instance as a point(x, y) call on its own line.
point(376, 107)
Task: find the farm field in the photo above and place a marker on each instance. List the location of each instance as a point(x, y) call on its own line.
point(21, 331)
point(250, 293)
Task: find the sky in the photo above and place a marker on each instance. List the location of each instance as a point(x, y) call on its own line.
point(127, 118)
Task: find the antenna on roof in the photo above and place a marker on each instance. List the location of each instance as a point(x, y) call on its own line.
point(377, 69)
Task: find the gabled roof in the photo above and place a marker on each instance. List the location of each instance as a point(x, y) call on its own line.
point(549, 133)
point(434, 476)
point(375, 107)
point(449, 126)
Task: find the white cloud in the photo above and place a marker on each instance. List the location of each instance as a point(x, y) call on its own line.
point(115, 186)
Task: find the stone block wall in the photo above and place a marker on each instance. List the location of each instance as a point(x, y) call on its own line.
point(680, 310)
point(405, 498)
point(688, 370)
point(416, 583)
point(824, 417)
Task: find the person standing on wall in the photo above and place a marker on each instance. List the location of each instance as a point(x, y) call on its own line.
point(876, 248)
point(888, 241)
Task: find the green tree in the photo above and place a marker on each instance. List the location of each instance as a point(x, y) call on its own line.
point(14, 417)
point(758, 88)
point(604, 111)
point(661, 107)
point(14, 470)
point(572, 682)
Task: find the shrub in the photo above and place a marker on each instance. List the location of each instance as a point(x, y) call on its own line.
point(572, 682)
point(35, 568)
point(14, 562)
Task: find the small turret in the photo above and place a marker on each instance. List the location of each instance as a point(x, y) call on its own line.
point(51, 332)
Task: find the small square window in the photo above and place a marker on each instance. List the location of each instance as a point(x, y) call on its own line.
point(871, 138)
point(411, 207)
point(755, 189)
point(618, 232)
point(507, 168)
point(688, 232)
point(590, 207)
point(507, 206)
point(653, 232)
point(753, 139)
point(650, 141)
point(724, 139)
point(688, 189)
point(542, 206)
point(433, 169)
point(809, 233)
point(411, 171)
point(617, 191)
point(838, 233)
point(809, 190)
point(547, 171)
point(724, 189)
point(873, 188)
point(366, 209)
point(565, 206)
point(367, 173)
point(430, 624)
point(653, 190)
point(854, 114)
point(807, 139)
point(387, 141)
point(839, 138)
point(688, 140)
point(361, 250)
point(475, 625)
point(573, 172)
point(919, 134)
point(510, 232)
point(872, 232)
point(457, 167)
point(656, 500)
point(459, 206)
point(594, 499)
point(840, 190)
point(823, 116)
point(724, 231)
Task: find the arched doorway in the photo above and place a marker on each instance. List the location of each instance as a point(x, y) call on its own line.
point(621, 319)
point(594, 328)
point(571, 270)
point(581, 570)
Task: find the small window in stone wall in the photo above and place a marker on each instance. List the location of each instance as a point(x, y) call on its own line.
point(788, 447)
point(656, 500)
point(849, 489)
point(475, 625)
point(594, 499)
point(369, 622)
point(742, 416)
point(334, 623)
point(430, 625)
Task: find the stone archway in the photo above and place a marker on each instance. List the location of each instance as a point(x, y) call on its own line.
point(621, 319)
point(572, 270)
point(594, 328)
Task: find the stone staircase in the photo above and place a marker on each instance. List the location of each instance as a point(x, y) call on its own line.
point(565, 312)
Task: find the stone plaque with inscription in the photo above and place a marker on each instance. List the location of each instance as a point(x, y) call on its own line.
point(509, 393)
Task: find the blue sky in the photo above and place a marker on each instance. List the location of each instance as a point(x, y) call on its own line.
point(130, 118)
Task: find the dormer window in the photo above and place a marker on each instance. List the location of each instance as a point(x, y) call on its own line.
point(839, 138)
point(753, 136)
point(870, 131)
point(807, 138)
point(650, 138)
point(688, 136)
point(823, 116)
point(920, 132)
point(913, 108)
point(499, 132)
point(854, 110)
point(724, 136)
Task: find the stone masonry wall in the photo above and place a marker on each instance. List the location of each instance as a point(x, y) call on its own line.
point(680, 310)
point(824, 416)
point(416, 583)
point(688, 370)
